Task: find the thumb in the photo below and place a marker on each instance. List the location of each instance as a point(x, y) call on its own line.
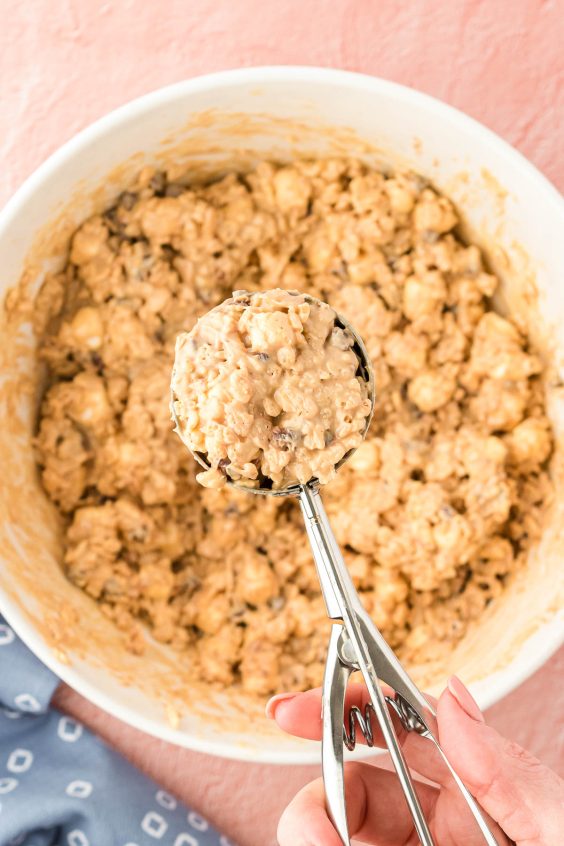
point(520, 793)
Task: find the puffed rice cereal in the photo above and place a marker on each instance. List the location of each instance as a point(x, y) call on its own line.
point(265, 386)
point(435, 511)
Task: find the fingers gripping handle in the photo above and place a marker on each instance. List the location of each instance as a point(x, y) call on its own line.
point(470, 801)
point(335, 683)
point(372, 655)
point(344, 604)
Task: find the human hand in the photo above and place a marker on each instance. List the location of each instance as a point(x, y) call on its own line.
point(525, 798)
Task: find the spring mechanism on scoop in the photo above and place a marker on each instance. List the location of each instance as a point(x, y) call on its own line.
point(364, 723)
point(407, 717)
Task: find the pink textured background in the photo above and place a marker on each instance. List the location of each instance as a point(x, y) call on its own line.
point(63, 65)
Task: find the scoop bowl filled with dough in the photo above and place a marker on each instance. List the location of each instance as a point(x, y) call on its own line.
point(179, 609)
point(271, 390)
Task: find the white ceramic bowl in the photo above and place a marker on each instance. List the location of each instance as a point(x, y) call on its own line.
point(209, 123)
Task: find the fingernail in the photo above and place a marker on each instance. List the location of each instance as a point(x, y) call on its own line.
point(274, 702)
point(465, 699)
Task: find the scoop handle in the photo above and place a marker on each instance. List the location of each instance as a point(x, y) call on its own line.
point(343, 604)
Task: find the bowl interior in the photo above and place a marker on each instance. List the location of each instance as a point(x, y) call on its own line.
point(208, 126)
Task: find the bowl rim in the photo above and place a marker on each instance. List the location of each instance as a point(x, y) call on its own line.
point(522, 666)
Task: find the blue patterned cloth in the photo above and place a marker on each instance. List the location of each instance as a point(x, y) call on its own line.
point(62, 786)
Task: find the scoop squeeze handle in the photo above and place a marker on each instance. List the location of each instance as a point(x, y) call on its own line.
point(341, 604)
point(356, 644)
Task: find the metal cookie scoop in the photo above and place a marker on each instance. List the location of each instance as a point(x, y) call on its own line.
point(356, 644)
point(364, 372)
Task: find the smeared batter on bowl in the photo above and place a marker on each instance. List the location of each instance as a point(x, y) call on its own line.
point(266, 387)
point(437, 508)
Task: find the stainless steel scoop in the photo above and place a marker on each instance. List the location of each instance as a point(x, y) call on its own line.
point(356, 644)
point(364, 372)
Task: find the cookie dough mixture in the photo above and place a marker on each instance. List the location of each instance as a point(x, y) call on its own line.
point(435, 510)
point(266, 387)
